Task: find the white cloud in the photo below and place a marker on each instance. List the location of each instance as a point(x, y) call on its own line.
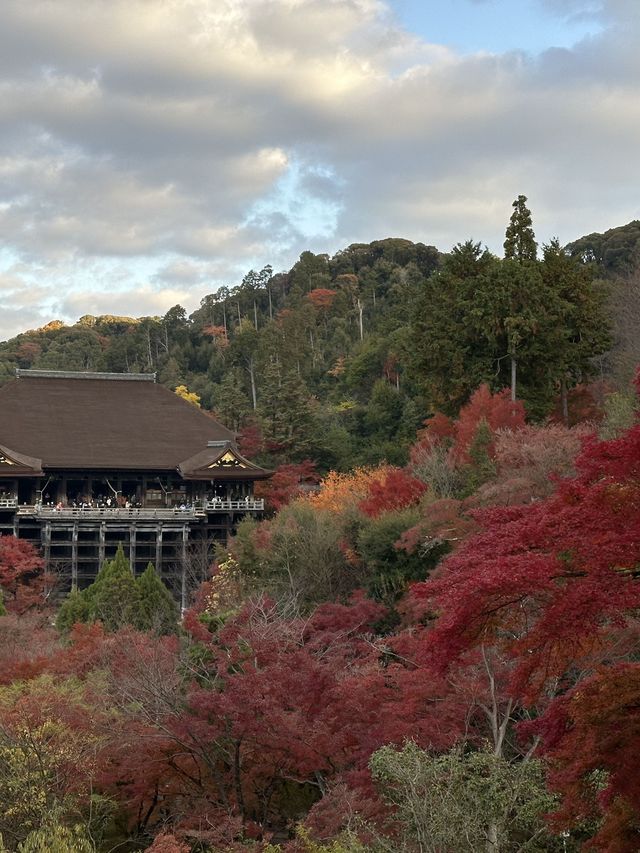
point(201, 137)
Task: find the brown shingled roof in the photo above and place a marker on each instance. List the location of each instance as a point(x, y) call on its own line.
point(102, 421)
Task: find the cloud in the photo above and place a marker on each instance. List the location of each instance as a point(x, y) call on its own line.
point(151, 149)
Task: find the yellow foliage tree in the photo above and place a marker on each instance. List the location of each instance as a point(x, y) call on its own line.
point(189, 396)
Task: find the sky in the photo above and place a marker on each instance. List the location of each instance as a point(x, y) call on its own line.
point(154, 150)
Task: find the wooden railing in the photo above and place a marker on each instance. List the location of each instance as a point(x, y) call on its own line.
point(244, 505)
point(8, 503)
point(109, 513)
point(106, 513)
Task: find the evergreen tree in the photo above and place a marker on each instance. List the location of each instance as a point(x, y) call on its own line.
point(75, 608)
point(519, 243)
point(156, 610)
point(580, 325)
point(113, 596)
point(481, 468)
point(230, 401)
point(112, 599)
point(454, 346)
point(286, 413)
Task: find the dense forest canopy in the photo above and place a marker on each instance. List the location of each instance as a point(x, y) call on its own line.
point(341, 358)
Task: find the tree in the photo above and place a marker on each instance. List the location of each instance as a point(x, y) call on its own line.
point(156, 610)
point(167, 843)
point(113, 598)
point(22, 577)
point(230, 401)
point(55, 837)
point(581, 328)
point(286, 413)
point(190, 396)
point(463, 800)
point(50, 740)
point(453, 350)
point(552, 586)
point(288, 482)
point(396, 491)
point(243, 351)
point(519, 243)
point(388, 567)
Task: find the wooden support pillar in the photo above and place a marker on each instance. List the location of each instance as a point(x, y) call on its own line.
point(46, 542)
point(74, 557)
point(132, 548)
point(183, 574)
point(159, 549)
point(102, 544)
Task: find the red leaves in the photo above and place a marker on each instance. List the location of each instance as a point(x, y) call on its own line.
point(592, 736)
point(546, 581)
point(497, 410)
point(288, 482)
point(22, 577)
point(322, 298)
point(396, 490)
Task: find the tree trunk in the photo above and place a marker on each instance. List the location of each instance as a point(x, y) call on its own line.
point(255, 314)
point(514, 369)
point(252, 377)
point(360, 310)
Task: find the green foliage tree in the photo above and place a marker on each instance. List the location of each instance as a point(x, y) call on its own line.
point(298, 556)
point(454, 348)
point(578, 327)
point(286, 413)
point(463, 801)
point(113, 597)
point(55, 837)
point(230, 402)
point(116, 599)
point(519, 243)
point(387, 568)
point(75, 608)
point(156, 609)
point(481, 467)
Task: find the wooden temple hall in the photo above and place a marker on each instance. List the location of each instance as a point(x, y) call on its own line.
point(92, 460)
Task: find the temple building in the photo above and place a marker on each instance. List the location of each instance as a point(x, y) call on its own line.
point(92, 460)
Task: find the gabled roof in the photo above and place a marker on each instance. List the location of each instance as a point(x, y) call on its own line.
point(102, 421)
point(221, 460)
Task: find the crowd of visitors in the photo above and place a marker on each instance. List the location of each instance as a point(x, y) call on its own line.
point(132, 502)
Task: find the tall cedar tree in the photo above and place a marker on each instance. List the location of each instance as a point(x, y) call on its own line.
point(519, 243)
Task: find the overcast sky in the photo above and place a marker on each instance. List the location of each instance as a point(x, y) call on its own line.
point(152, 150)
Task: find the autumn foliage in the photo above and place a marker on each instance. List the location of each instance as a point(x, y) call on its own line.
point(517, 643)
point(22, 576)
point(396, 490)
point(339, 491)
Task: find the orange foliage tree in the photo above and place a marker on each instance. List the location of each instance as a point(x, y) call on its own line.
point(339, 492)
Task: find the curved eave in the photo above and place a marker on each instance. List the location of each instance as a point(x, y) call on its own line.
point(18, 464)
point(227, 474)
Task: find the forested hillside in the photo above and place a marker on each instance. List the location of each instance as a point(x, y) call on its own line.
point(341, 358)
point(433, 651)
